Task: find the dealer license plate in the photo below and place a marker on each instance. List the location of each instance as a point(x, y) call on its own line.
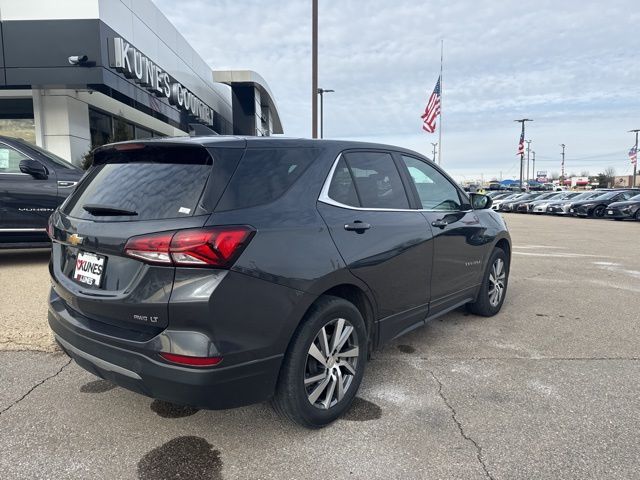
point(89, 269)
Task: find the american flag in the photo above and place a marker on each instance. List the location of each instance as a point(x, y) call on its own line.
point(521, 145)
point(432, 110)
point(633, 154)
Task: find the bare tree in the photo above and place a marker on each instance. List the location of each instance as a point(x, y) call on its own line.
point(610, 174)
point(554, 176)
point(584, 173)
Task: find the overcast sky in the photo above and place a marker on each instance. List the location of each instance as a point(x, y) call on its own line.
point(572, 66)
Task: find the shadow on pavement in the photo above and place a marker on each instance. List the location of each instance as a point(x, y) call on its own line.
point(19, 257)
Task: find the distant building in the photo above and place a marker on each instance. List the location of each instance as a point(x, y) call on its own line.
point(625, 181)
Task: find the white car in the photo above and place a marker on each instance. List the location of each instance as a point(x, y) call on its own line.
point(540, 206)
point(496, 203)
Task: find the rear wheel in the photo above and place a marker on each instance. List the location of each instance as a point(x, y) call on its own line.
point(494, 286)
point(324, 364)
point(637, 215)
point(599, 211)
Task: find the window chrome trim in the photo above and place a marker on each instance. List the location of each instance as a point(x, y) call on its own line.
point(23, 230)
point(325, 198)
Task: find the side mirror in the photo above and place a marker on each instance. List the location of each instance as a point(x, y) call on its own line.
point(34, 168)
point(480, 201)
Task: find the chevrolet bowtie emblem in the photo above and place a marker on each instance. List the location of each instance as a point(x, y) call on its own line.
point(75, 239)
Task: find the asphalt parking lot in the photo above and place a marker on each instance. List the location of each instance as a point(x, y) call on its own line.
point(549, 388)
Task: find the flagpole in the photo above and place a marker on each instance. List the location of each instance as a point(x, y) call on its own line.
point(441, 97)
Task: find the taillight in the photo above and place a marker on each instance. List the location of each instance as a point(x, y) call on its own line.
point(124, 147)
point(152, 248)
point(191, 361)
point(198, 247)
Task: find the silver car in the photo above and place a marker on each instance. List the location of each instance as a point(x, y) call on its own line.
point(561, 207)
point(540, 206)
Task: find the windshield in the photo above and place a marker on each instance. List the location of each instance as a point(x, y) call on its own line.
point(587, 195)
point(567, 196)
point(605, 196)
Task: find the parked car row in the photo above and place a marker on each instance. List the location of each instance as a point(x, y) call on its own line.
point(619, 203)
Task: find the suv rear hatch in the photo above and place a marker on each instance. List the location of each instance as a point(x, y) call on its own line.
point(109, 236)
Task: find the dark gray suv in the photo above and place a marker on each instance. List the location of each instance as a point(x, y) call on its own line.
point(223, 271)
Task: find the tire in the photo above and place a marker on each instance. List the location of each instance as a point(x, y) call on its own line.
point(599, 211)
point(637, 215)
point(486, 304)
point(302, 375)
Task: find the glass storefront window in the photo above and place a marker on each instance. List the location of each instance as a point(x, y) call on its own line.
point(18, 128)
point(100, 127)
point(106, 128)
point(143, 133)
point(16, 118)
point(122, 130)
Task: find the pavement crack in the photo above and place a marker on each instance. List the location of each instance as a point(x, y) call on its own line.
point(454, 417)
point(41, 382)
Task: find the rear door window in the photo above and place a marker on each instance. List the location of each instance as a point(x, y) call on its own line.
point(158, 184)
point(376, 180)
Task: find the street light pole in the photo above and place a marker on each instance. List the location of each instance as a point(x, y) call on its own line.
point(522, 121)
point(434, 150)
point(635, 164)
point(314, 69)
point(321, 92)
point(533, 154)
point(528, 150)
point(562, 169)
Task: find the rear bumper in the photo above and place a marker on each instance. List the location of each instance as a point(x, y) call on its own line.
point(143, 371)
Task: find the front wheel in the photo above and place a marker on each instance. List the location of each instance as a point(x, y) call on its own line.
point(599, 211)
point(324, 364)
point(494, 286)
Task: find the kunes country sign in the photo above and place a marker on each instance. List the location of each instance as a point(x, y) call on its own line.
point(127, 59)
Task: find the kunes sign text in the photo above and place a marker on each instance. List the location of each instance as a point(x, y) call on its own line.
point(127, 59)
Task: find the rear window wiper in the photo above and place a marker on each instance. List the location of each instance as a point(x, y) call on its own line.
point(102, 210)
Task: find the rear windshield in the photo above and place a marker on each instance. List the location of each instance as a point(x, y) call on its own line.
point(142, 186)
point(264, 175)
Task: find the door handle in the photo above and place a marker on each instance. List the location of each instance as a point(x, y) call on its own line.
point(357, 226)
point(441, 223)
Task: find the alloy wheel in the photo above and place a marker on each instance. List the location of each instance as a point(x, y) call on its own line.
point(497, 278)
point(332, 362)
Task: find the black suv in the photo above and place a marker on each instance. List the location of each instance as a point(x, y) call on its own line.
point(223, 271)
point(33, 182)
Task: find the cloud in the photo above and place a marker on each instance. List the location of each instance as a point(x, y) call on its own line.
point(570, 65)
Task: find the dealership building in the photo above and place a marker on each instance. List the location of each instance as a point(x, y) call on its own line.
point(76, 74)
